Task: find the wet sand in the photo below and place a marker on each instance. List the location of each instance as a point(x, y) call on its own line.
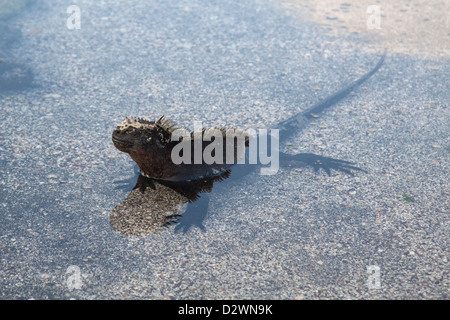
point(299, 234)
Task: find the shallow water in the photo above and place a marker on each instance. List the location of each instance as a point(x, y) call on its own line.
point(297, 234)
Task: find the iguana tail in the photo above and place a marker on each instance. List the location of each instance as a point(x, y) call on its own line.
point(299, 121)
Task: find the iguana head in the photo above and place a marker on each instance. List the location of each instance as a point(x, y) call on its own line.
point(138, 133)
point(148, 143)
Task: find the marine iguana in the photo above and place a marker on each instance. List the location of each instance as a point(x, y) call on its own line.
point(150, 145)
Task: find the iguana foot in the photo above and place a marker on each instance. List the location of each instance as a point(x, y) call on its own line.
point(194, 215)
point(318, 162)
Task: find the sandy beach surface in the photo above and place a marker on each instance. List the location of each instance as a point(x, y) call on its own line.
point(407, 27)
point(382, 233)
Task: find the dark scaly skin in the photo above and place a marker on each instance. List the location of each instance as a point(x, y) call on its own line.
point(149, 145)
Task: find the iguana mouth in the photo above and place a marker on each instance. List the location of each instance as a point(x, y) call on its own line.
point(121, 144)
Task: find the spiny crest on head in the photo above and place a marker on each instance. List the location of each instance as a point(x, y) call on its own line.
point(138, 123)
point(167, 124)
point(166, 127)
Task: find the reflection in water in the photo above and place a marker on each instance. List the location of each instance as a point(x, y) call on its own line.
point(154, 204)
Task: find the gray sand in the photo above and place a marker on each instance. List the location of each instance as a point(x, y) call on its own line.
point(294, 235)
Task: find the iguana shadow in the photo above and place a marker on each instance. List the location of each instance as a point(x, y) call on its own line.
point(153, 205)
point(159, 202)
